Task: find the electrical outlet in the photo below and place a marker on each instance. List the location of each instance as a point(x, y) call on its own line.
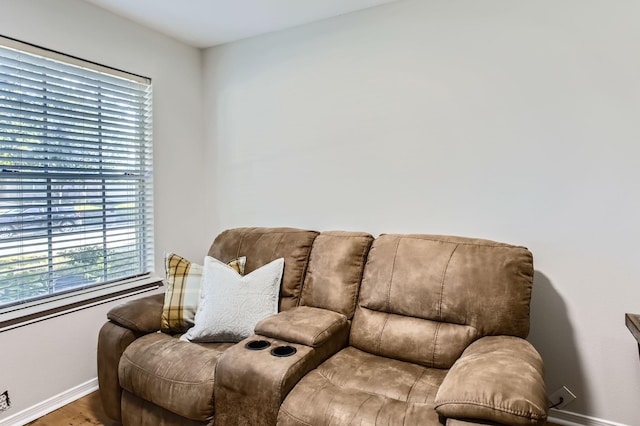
point(561, 398)
point(5, 402)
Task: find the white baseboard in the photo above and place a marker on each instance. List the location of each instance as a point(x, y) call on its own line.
point(36, 411)
point(560, 417)
point(567, 418)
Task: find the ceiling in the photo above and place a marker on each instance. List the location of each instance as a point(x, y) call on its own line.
point(206, 23)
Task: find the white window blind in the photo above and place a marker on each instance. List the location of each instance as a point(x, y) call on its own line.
point(75, 174)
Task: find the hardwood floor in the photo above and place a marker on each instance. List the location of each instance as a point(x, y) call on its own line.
point(85, 411)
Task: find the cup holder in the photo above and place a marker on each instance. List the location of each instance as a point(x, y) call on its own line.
point(282, 351)
point(257, 345)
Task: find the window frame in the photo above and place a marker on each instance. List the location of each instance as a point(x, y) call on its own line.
point(32, 310)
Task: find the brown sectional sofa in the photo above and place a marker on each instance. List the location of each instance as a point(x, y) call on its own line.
point(403, 329)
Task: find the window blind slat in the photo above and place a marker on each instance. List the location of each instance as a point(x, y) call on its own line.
point(52, 124)
point(38, 93)
point(26, 102)
point(24, 143)
point(60, 162)
point(72, 113)
point(12, 131)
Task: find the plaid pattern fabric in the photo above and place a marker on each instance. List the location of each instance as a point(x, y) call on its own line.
point(182, 293)
point(238, 264)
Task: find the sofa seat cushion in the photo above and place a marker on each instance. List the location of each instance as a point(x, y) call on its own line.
point(355, 387)
point(175, 375)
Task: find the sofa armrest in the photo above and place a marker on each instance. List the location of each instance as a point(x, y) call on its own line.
point(112, 341)
point(497, 378)
point(140, 315)
point(303, 325)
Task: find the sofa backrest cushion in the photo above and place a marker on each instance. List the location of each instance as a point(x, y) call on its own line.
point(263, 245)
point(335, 271)
point(425, 298)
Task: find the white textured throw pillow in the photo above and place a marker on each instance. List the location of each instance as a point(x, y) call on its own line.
point(232, 304)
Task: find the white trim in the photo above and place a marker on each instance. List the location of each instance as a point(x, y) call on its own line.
point(79, 296)
point(76, 296)
point(61, 57)
point(568, 418)
point(45, 407)
point(560, 417)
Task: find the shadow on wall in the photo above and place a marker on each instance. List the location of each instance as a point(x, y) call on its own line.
point(552, 335)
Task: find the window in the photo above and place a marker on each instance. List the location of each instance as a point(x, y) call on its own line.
point(75, 175)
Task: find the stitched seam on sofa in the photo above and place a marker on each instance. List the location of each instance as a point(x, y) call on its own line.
point(306, 265)
point(386, 319)
point(305, 268)
point(465, 243)
point(393, 268)
point(296, 418)
point(164, 379)
point(239, 246)
point(414, 384)
point(435, 343)
point(327, 331)
point(375, 421)
point(273, 256)
point(363, 257)
point(425, 319)
point(359, 407)
point(444, 275)
point(123, 321)
point(525, 414)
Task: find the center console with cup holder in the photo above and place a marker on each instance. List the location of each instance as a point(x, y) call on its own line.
point(254, 377)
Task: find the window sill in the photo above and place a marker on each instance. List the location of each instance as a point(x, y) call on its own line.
point(21, 315)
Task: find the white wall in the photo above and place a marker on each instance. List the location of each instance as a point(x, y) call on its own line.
point(41, 360)
point(510, 120)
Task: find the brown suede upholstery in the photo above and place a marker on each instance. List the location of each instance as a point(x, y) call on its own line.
point(303, 325)
point(354, 387)
point(423, 301)
point(112, 341)
point(335, 271)
point(407, 330)
point(186, 388)
point(161, 374)
point(142, 315)
point(252, 384)
point(128, 321)
point(520, 370)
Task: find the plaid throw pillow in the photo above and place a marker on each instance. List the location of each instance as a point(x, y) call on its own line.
point(182, 293)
